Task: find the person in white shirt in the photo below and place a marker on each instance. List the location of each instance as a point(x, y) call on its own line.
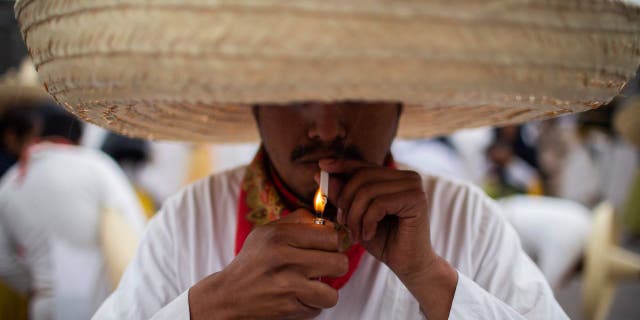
point(50, 208)
point(433, 247)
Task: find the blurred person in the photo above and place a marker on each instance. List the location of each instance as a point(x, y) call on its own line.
point(131, 154)
point(521, 145)
point(584, 160)
point(50, 206)
point(512, 164)
point(613, 159)
point(557, 137)
point(20, 92)
point(553, 232)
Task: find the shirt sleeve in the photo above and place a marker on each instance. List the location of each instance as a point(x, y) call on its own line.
point(12, 272)
point(148, 288)
point(504, 283)
point(473, 302)
point(177, 309)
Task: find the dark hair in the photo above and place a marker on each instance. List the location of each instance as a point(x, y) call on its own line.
point(20, 120)
point(125, 149)
point(599, 119)
point(57, 122)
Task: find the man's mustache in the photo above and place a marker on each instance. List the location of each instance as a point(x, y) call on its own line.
point(336, 149)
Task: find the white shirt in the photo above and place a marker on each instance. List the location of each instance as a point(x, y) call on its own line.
point(53, 214)
point(194, 235)
point(554, 231)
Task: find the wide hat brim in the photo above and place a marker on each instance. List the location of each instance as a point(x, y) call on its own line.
point(12, 96)
point(21, 87)
point(191, 69)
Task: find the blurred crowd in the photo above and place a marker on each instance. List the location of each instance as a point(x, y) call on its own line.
point(547, 176)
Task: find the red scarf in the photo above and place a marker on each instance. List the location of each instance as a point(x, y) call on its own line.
point(264, 198)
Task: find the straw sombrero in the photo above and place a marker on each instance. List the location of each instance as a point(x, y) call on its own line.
point(190, 69)
point(21, 87)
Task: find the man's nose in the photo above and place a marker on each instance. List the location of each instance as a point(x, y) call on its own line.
point(326, 123)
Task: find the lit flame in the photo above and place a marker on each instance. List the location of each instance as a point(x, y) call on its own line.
point(319, 201)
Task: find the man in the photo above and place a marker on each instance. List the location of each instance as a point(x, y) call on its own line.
point(328, 81)
point(431, 246)
point(51, 202)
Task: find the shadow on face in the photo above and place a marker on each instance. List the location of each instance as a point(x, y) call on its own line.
point(297, 135)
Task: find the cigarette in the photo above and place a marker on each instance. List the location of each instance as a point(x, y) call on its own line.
point(324, 183)
point(320, 199)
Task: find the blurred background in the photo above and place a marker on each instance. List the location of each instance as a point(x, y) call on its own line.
point(553, 179)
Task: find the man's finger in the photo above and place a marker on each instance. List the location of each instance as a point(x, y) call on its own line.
point(336, 184)
point(306, 235)
point(316, 263)
point(366, 195)
point(368, 176)
point(302, 304)
point(376, 213)
point(390, 204)
point(316, 294)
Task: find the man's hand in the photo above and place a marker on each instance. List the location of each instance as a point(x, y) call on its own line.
point(273, 275)
point(387, 211)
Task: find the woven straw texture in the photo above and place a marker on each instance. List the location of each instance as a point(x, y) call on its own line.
point(191, 69)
